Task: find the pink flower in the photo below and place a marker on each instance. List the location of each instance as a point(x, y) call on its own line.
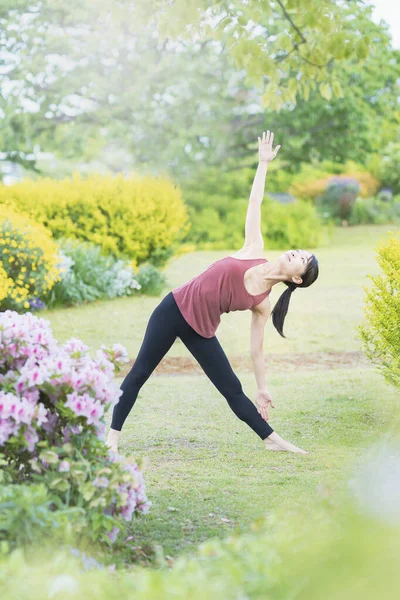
point(113, 534)
point(31, 438)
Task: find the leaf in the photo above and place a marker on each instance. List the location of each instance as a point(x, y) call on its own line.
point(325, 91)
point(60, 484)
point(49, 456)
point(362, 49)
point(337, 89)
point(306, 90)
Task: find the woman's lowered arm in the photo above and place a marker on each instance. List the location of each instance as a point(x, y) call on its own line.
point(259, 318)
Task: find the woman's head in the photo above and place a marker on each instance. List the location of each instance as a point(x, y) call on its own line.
point(300, 269)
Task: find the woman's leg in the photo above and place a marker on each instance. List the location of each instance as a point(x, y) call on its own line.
point(214, 362)
point(160, 334)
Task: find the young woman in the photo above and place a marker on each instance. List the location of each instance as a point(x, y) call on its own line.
point(242, 281)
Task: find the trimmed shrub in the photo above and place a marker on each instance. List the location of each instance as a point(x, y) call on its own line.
point(133, 218)
point(380, 332)
point(28, 260)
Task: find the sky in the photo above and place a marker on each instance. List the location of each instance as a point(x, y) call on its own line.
point(389, 11)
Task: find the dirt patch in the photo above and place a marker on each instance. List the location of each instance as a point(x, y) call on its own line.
point(184, 365)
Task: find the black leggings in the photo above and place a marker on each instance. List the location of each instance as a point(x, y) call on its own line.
point(166, 323)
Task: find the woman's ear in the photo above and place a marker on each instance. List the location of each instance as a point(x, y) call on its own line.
point(297, 280)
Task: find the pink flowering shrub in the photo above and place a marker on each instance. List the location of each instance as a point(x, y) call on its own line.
point(53, 399)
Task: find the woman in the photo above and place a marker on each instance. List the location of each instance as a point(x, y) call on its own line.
point(192, 313)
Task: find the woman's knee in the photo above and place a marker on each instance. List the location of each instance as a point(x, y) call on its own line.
point(232, 389)
point(136, 378)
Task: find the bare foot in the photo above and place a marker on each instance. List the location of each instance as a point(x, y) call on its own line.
point(275, 443)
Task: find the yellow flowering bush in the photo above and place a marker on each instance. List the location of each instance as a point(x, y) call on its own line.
point(381, 331)
point(6, 283)
point(310, 190)
point(139, 219)
point(28, 259)
point(312, 181)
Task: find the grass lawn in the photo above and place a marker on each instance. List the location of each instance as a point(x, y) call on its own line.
point(207, 473)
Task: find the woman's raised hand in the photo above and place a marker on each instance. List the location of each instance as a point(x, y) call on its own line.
point(265, 152)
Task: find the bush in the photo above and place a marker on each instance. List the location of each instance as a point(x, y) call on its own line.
point(87, 275)
point(131, 218)
point(338, 198)
point(26, 516)
point(28, 260)
point(389, 169)
point(282, 225)
point(52, 405)
point(151, 281)
point(295, 225)
point(313, 180)
point(374, 211)
point(380, 332)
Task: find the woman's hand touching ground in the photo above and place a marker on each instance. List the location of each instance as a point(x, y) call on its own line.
point(265, 152)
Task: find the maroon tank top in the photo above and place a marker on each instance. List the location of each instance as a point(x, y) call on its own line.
point(219, 289)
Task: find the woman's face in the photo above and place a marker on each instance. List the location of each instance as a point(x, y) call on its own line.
point(293, 263)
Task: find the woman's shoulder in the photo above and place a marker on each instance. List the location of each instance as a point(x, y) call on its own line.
point(248, 253)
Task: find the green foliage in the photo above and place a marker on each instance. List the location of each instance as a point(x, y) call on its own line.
point(218, 202)
point(88, 275)
point(330, 553)
point(135, 218)
point(389, 170)
point(380, 332)
point(280, 59)
point(26, 516)
point(374, 211)
point(75, 488)
point(87, 279)
point(338, 198)
point(313, 179)
point(294, 225)
point(151, 280)
point(311, 53)
point(352, 127)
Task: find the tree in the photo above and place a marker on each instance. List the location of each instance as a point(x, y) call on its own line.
point(171, 84)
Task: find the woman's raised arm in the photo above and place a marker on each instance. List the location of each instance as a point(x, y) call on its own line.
point(253, 235)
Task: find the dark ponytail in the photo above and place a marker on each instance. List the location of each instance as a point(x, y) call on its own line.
point(281, 307)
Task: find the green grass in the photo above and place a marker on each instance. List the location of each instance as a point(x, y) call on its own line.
point(204, 462)
point(202, 459)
